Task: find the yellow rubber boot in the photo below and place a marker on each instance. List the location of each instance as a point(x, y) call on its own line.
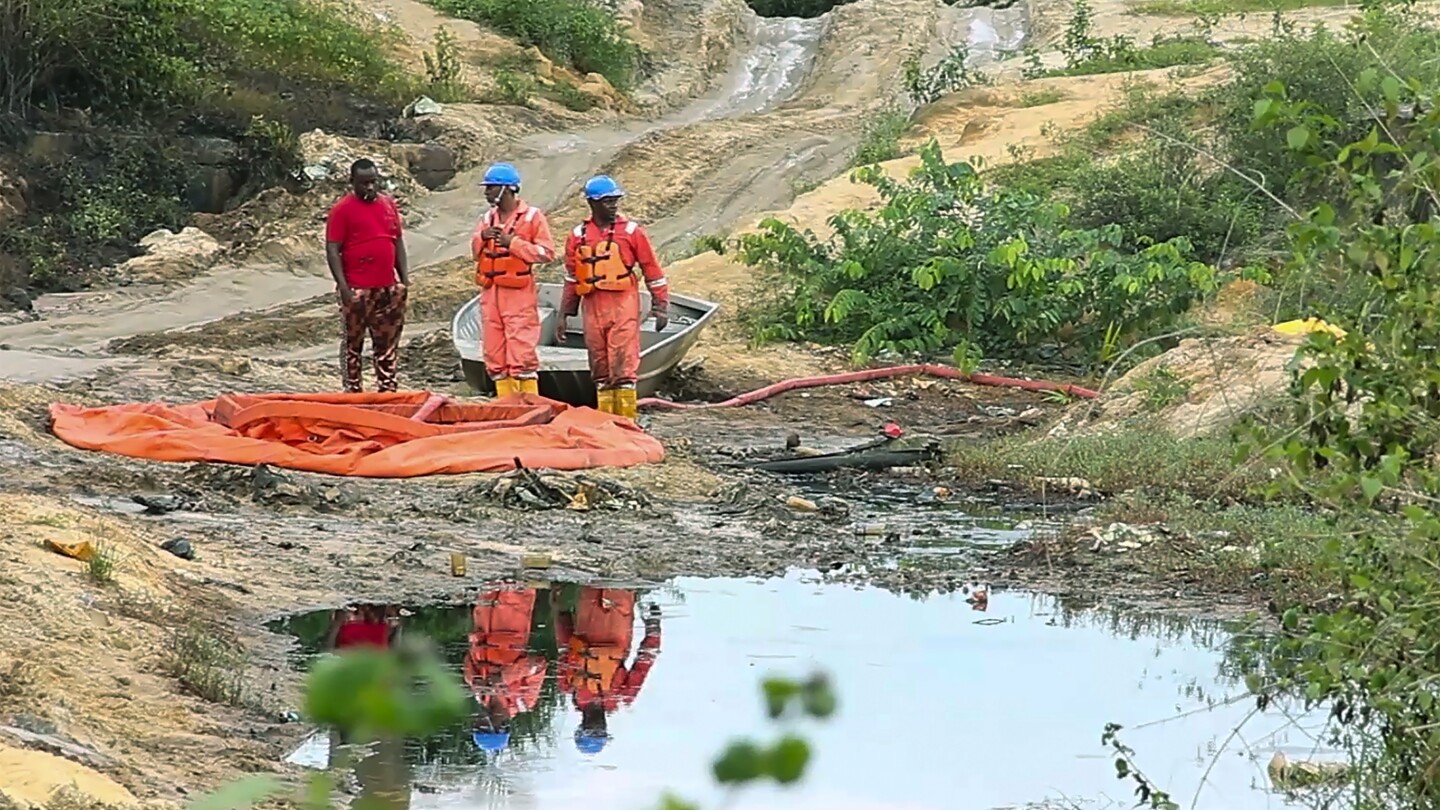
point(504, 387)
point(625, 403)
point(605, 400)
point(529, 385)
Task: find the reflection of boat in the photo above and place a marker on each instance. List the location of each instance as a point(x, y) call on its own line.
point(564, 368)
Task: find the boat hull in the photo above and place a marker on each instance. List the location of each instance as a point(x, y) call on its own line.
point(564, 365)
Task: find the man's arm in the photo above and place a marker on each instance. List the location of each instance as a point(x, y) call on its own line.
point(539, 246)
point(402, 257)
point(569, 297)
point(654, 277)
point(402, 261)
point(334, 240)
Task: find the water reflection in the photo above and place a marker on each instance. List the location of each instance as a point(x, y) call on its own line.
point(528, 653)
point(1029, 682)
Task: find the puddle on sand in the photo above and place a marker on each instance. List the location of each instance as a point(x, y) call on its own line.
point(936, 710)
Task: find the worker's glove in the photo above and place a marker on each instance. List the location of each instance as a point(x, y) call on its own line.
point(661, 316)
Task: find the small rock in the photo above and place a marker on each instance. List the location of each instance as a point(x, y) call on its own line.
point(180, 547)
point(158, 504)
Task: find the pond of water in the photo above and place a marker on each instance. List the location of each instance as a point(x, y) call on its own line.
point(944, 703)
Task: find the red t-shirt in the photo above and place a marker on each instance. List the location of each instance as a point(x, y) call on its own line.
point(362, 634)
point(366, 233)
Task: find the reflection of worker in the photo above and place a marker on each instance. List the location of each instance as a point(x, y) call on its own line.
point(505, 678)
point(601, 255)
point(365, 248)
point(594, 642)
point(363, 626)
point(383, 772)
point(508, 241)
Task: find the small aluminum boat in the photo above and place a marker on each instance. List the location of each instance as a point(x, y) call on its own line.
point(564, 365)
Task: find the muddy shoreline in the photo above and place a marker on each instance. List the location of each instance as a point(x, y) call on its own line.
point(270, 543)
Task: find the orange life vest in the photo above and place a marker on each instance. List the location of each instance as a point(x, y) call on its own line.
point(497, 267)
point(593, 667)
point(602, 267)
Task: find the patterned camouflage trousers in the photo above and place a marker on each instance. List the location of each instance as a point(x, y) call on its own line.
point(380, 311)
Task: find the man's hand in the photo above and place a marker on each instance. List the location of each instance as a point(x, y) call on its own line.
point(504, 239)
point(562, 324)
point(347, 295)
point(491, 233)
point(662, 318)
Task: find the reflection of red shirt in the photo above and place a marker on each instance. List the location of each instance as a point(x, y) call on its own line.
point(366, 233)
point(363, 634)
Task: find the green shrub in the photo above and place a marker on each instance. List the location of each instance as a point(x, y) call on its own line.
point(91, 209)
point(577, 34)
point(880, 138)
point(162, 55)
point(1120, 53)
point(948, 261)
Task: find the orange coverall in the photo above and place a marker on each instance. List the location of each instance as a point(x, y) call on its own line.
point(498, 664)
point(612, 316)
point(594, 644)
point(509, 308)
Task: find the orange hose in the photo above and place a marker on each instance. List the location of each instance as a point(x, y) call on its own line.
point(875, 374)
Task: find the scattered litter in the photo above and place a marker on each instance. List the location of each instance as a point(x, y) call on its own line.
point(423, 106)
point(536, 560)
point(834, 507)
point(1123, 537)
point(880, 402)
point(82, 550)
point(987, 622)
point(528, 489)
point(800, 504)
point(180, 547)
point(457, 564)
point(1078, 487)
point(997, 411)
point(1288, 775)
point(893, 430)
point(158, 504)
point(979, 599)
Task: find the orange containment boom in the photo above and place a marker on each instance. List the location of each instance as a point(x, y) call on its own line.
point(394, 435)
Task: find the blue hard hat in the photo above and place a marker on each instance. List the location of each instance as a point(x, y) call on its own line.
point(591, 743)
point(502, 174)
point(602, 186)
point(491, 740)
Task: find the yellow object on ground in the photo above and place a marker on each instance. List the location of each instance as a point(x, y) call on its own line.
point(1306, 326)
point(625, 403)
point(605, 400)
point(529, 386)
point(33, 778)
point(81, 550)
point(505, 386)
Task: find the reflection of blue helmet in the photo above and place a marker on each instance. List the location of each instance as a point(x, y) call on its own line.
point(590, 743)
point(491, 740)
point(502, 174)
point(602, 186)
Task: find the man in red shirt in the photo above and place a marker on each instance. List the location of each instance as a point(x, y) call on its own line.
point(365, 246)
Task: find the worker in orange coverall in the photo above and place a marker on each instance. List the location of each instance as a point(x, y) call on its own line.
point(509, 240)
point(601, 257)
point(594, 643)
point(503, 675)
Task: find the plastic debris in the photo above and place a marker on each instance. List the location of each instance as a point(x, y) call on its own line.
point(82, 550)
point(423, 106)
point(528, 489)
point(1287, 775)
point(800, 504)
point(1122, 537)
